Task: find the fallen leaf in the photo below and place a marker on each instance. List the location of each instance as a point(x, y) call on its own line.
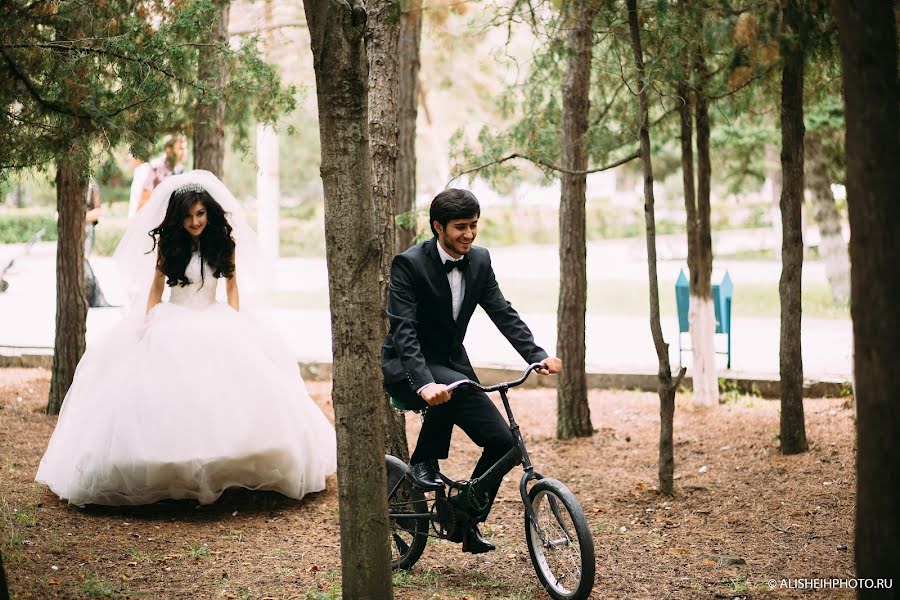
point(676, 552)
point(53, 581)
point(708, 563)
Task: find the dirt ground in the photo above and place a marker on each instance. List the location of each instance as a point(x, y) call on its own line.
point(737, 500)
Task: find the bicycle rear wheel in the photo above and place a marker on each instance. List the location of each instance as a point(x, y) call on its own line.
point(408, 535)
point(564, 559)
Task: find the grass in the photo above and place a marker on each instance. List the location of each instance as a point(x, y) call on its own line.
point(97, 588)
point(138, 555)
point(197, 551)
point(334, 590)
point(13, 536)
point(630, 298)
point(421, 578)
point(477, 579)
point(620, 297)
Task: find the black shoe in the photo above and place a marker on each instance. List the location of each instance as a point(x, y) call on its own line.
point(425, 475)
point(474, 543)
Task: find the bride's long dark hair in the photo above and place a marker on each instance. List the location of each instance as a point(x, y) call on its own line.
point(176, 245)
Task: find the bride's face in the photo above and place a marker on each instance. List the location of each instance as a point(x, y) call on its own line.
point(195, 221)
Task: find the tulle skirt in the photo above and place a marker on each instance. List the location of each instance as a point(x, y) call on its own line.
point(195, 402)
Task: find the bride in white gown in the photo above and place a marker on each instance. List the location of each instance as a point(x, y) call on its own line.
point(186, 398)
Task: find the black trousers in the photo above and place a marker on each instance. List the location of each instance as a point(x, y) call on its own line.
point(468, 408)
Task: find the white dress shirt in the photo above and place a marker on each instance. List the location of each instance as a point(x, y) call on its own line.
point(457, 288)
point(456, 280)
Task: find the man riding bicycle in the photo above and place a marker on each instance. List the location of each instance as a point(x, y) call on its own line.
point(435, 287)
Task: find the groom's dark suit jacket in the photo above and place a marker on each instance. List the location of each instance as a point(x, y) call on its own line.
point(422, 328)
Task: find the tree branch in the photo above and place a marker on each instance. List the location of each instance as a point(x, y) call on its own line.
point(56, 107)
point(545, 164)
point(57, 46)
point(273, 26)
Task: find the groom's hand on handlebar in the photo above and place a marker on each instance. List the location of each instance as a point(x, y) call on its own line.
point(550, 366)
point(435, 393)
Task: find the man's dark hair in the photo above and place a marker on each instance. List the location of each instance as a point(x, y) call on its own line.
point(453, 204)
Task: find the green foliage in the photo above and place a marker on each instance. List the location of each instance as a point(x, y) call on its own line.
point(97, 588)
point(531, 113)
point(197, 551)
point(18, 225)
point(78, 76)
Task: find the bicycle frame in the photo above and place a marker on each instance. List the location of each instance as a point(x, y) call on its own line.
point(493, 476)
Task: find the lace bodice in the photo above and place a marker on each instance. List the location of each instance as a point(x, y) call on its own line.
point(200, 292)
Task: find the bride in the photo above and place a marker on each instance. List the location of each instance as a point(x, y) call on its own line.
point(186, 398)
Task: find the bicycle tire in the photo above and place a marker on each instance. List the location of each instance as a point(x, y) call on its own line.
point(408, 536)
point(548, 559)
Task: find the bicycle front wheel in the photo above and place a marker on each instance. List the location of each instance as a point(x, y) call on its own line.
point(408, 534)
point(564, 558)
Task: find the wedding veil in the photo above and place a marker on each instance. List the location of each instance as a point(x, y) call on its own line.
point(135, 257)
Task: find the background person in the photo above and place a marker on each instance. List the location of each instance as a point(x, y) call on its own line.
point(170, 163)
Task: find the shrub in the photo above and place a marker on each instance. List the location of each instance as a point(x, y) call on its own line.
point(17, 226)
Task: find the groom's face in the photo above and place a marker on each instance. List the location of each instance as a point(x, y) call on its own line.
point(458, 236)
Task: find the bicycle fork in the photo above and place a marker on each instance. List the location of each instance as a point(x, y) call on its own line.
point(520, 454)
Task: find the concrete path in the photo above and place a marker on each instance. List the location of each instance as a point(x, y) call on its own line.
point(616, 344)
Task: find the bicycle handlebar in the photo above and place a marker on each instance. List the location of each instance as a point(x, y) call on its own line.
point(499, 386)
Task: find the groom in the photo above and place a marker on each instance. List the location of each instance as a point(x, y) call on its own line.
point(435, 287)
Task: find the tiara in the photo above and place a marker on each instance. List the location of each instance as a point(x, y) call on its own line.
point(190, 187)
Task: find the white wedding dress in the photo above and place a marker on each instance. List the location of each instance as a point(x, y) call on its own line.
point(202, 398)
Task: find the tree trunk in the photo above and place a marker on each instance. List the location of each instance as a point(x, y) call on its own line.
point(793, 429)
point(832, 246)
point(702, 315)
point(667, 387)
point(573, 413)
point(4, 589)
point(868, 42)
point(268, 200)
point(353, 254)
point(209, 114)
point(71, 304)
point(382, 34)
point(686, 119)
point(405, 198)
point(773, 175)
point(268, 179)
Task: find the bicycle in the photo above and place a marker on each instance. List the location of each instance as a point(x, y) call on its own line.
point(557, 534)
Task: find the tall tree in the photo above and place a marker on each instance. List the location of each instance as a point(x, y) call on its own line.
point(832, 246)
point(702, 314)
point(573, 412)
point(268, 173)
point(382, 36)
point(209, 115)
point(71, 313)
point(793, 428)
point(409, 46)
point(667, 387)
point(694, 109)
point(867, 30)
point(353, 253)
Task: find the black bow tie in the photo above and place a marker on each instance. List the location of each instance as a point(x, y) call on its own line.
point(461, 264)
